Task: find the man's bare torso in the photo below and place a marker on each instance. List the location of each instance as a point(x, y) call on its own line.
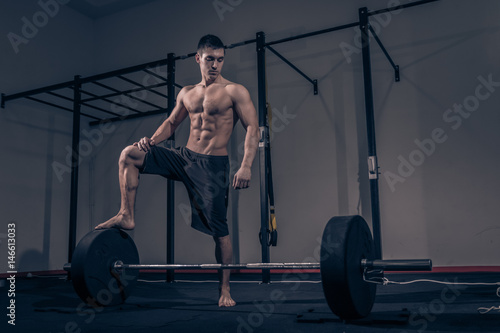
point(212, 117)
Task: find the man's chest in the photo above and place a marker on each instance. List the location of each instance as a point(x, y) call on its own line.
point(211, 100)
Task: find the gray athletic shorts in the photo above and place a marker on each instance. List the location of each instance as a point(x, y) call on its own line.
point(206, 178)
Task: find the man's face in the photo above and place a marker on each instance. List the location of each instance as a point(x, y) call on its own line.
point(211, 61)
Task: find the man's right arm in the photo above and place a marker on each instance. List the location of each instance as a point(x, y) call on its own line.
point(168, 127)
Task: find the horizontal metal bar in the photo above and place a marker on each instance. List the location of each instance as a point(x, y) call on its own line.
point(398, 265)
point(232, 46)
point(84, 104)
point(314, 33)
point(349, 25)
point(162, 78)
point(49, 103)
point(186, 56)
point(111, 102)
point(60, 96)
point(128, 117)
point(38, 91)
point(155, 75)
point(411, 4)
point(59, 107)
point(393, 265)
point(142, 86)
point(126, 92)
point(119, 265)
point(100, 109)
point(123, 71)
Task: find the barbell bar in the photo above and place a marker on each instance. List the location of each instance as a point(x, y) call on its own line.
point(391, 265)
point(105, 267)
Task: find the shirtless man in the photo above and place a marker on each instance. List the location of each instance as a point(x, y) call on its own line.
point(214, 106)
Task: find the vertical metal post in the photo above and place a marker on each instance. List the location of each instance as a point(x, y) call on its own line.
point(75, 161)
point(263, 147)
point(370, 124)
point(170, 183)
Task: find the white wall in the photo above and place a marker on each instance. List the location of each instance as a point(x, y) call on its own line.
point(444, 209)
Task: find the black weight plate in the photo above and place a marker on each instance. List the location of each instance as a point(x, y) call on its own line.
point(346, 240)
point(91, 267)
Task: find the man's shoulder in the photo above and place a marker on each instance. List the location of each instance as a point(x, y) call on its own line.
point(237, 91)
point(235, 88)
point(185, 90)
point(188, 88)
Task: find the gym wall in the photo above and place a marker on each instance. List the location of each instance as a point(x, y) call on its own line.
point(34, 136)
point(436, 128)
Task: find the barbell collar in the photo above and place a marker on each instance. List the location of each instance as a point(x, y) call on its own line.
point(398, 265)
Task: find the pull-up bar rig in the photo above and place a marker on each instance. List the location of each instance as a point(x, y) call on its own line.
point(264, 147)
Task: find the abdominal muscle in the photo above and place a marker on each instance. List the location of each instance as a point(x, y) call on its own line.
point(209, 135)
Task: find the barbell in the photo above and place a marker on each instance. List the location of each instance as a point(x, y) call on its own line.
point(105, 267)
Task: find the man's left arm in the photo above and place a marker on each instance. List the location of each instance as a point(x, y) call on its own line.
point(248, 116)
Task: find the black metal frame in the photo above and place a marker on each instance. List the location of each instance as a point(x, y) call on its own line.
point(170, 183)
point(264, 147)
point(74, 165)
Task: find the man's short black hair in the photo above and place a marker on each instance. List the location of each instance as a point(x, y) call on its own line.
point(210, 41)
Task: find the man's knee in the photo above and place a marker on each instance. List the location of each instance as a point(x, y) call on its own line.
point(225, 246)
point(125, 156)
point(131, 155)
point(222, 239)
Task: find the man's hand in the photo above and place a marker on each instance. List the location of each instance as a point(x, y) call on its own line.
point(242, 178)
point(145, 144)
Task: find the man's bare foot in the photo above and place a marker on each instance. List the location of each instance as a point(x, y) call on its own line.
point(225, 298)
point(119, 221)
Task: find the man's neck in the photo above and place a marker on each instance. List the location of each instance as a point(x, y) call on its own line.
point(207, 82)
